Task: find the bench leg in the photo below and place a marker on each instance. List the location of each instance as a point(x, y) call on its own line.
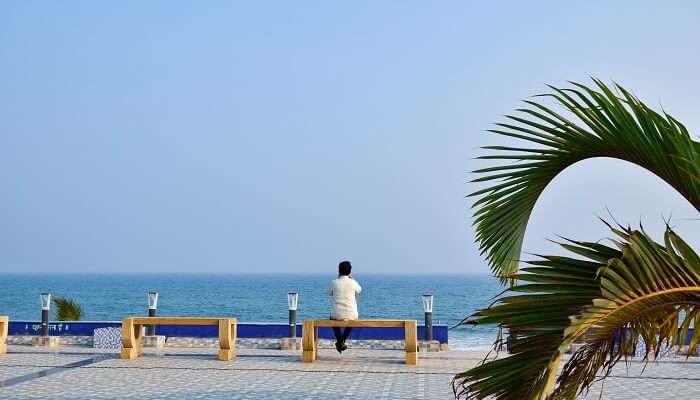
point(308, 342)
point(411, 329)
point(234, 337)
point(316, 340)
point(131, 340)
point(3, 336)
point(129, 353)
point(227, 339)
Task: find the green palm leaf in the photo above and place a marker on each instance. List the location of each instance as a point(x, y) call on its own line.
point(598, 123)
point(650, 291)
point(538, 309)
point(610, 299)
point(67, 309)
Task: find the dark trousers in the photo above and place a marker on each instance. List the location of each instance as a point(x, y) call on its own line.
point(340, 336)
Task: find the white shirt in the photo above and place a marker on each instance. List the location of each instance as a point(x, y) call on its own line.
point(343, 291)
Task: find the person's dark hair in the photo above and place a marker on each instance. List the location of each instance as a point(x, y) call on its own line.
point(344, 268)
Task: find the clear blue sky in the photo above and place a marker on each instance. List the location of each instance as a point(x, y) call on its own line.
point(284, 136)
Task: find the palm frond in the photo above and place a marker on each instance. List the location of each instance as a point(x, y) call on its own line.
point(651, 294)
point(599, 122)
point(538, 309)
point(67, 309)
point(589, 299)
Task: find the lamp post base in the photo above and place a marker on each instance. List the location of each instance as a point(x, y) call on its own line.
point(429, 346)
point(46, 341)
point(290, 344)
point(157, 341)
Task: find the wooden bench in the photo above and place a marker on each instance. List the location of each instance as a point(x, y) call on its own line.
point(132, 329)
point(310, 327)
point(4, 326)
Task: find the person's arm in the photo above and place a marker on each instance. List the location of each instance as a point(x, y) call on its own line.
point(358, 288)
point(330, 289)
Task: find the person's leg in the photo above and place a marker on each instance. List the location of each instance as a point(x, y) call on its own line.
point(338, 335)
point(339, 340)
point(346, 334)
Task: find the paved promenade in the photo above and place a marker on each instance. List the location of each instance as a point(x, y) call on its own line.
point(84, 373)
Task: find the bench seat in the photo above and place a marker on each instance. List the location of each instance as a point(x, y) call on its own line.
point(310, 334)
point(132, 329)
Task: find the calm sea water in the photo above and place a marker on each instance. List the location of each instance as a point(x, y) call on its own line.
point(260, 298)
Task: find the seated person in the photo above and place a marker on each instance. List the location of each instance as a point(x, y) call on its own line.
point(343, 291)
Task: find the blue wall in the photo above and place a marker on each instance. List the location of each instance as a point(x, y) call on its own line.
point(245, 330)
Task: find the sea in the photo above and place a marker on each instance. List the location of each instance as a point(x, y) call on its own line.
point(258, 297)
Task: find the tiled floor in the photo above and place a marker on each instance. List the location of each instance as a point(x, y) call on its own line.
point(82, 373)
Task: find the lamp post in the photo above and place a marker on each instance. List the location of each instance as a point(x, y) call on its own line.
point(152, 307)
point(45, 307)
point(428, 309)
point(292, 301)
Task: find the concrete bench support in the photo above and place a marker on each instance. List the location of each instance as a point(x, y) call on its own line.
point(4, 325)
point(310, 327)
point(132, 333)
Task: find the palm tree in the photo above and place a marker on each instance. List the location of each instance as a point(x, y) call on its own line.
point(67, 309)
point(608, 297)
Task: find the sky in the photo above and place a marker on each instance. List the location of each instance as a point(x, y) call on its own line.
point(252, 137)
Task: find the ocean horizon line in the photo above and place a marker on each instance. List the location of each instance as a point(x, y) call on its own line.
point(180, 273)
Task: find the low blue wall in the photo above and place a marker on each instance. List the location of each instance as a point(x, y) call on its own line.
point(245, 330)
point(59, 328)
